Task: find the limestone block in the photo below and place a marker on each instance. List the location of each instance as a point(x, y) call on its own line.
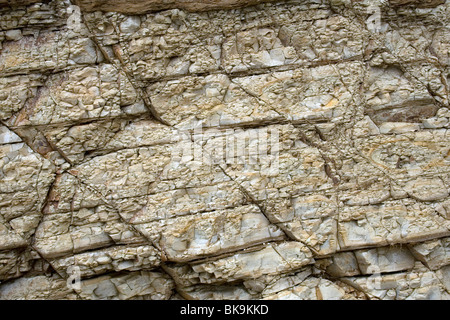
point(27, 15)
point(307, 94)
point(391, 97)
point(278, 283)
point(310, 219)
point(134, 172)
point(218, 292)
point(214, 100)
point(295, 42)
point(120, 258)
point(224, 149)
point(342, 264)
point(141, 285)
point(389, 223)
point(420, 284)
point(271, 260)
point(48, 51)
point(434, 253)
point(7, 136)
point(16, 91)
point(384, 259)
point(87, 229)
point(15, 263)
point(181, 202)
point(137, 6)
point(79, 94)
point(313, 289)
point(425, 4)
point(195, 236)
point(81, 142)
point(407, 155)
point(37, 288)
point(24, 182)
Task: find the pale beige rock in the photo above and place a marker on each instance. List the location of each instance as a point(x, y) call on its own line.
point(434, 253)
point(419, 284)
point(92, 228)
point(214, 100)
point(139, 6)
point(49, 51)
point(17, 2)
point(427, 189)
point(263, 261)
point(390, 223)
point(285, 150)
point(15, 263)
point(342, 264)
point(384, 259)
point(194, 236)
point(37, 288)
point(205, 292)
point(273, 259)
point(395, 102)
point(310, 94)
point(313, 289)
point(132, 286)
point(309, 219)
point(25, 179)
point(398, 127)
point(279, 283)
point(123, 258)
point(427, 3)
point(79, 94)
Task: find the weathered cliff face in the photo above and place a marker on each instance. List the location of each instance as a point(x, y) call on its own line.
point(285, 150)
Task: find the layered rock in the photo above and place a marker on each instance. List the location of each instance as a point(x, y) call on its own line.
point(224, 149)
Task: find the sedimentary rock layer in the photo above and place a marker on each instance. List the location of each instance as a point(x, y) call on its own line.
point(225, 149)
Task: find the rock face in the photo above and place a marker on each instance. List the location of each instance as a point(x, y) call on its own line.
point(224, 149)
point(142, 6)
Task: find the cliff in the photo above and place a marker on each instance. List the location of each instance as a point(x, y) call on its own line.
point(224, 149)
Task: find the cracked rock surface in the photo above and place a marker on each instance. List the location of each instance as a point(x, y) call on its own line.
point(130, 149)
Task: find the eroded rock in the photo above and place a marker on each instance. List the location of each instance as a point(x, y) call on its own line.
point(224, 149)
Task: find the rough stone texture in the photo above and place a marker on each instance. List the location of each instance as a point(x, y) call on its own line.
point(141, 6)
point(225, 149)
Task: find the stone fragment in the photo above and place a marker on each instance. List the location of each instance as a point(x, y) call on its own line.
point(422, 4)
point(37, 288)
point(196, 236)
point(218, 292)
point(312, 289)
point(342, 264)
point(7, 136)
point(25, 178)
point(13, 35)
point(434, 253)
point(139, 7)
point(389, 224)
point(79, 94)
point(141, 285)
point(419, 284)
point(425, 189)
point(274, 259)
point(128, 258)
point(224, 149)
point(260, 267)
point(384, 259)
point(214, 100)
point(15, 263)
point(398, 127)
